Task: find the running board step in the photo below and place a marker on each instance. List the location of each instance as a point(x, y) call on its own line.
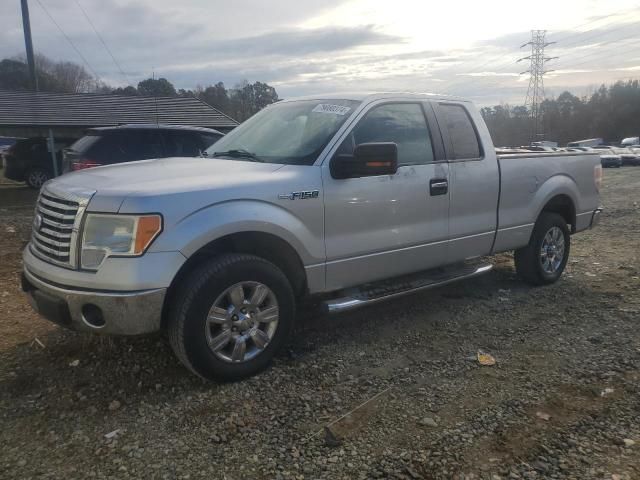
point(387, 289)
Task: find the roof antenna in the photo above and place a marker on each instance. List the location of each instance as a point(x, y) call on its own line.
point(155, 97)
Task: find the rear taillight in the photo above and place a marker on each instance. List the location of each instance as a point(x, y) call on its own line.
point(597, 176)
point(83, 164)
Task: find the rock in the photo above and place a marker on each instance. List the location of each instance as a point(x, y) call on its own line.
point(428, 422)
point(543, 416)
point(540, 466)
point(330, 440)
point(111, 435)
point(628, 442)
point(413, 474)
point(114, 405)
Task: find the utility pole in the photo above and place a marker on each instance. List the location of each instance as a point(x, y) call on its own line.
point(26, 26)
point(535, 93)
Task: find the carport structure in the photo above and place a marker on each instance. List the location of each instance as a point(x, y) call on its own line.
point(32, 114)
point(68, 115)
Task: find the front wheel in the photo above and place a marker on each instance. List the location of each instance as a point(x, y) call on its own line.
point(543, 260)
point(231, 316)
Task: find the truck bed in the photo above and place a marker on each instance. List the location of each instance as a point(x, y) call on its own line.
point(528, 181)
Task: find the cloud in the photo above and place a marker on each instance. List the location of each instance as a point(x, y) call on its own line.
point(202, 42)
point(302, 42)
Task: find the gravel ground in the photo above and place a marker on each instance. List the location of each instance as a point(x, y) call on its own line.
point(398, 383)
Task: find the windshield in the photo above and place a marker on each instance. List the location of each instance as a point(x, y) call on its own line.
point(289, 132)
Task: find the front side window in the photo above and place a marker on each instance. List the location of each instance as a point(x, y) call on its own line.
point(463, 136)
point(293, 133)
point(401, 123)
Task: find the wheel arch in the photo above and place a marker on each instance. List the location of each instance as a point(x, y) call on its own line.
point(261, 244)
point(563, 205)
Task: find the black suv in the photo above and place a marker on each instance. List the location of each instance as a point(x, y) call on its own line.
point(29, 160)
point(126, 143)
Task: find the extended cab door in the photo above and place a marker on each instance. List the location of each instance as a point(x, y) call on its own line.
point(383, 226)
point(474, 180)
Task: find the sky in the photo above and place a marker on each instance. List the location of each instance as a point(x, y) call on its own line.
point(460, 47)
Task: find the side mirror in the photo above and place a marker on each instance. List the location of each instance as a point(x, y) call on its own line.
point(368, 160)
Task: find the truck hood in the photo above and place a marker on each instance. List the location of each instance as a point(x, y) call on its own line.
point(165, 176)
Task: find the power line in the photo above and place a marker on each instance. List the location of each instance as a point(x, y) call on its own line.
point(506, 64)
point(68, 40)
point(104, 44)
point(492, 59)
point(595, 56)
point(600, 53)
point(536, 71)
point(584, 40)
point(630, 10)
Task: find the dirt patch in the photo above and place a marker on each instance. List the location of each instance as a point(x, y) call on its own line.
point(443, 416)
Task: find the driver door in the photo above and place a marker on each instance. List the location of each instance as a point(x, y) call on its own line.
point(383, 226)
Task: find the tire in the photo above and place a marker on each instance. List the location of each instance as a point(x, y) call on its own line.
point(201, 317)
point(36, 177)
point(531, 265)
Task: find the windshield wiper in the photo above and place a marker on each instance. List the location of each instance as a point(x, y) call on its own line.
point(238, 153)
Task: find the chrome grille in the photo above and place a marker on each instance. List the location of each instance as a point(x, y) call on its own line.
point(56, 225)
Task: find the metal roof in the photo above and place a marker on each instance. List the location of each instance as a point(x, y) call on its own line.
point(46, 109)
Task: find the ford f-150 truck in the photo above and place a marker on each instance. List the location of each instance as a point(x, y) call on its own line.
point(352, 199)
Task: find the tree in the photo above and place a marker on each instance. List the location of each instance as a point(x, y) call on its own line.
point(159, 87)
point(62, 77)
point(14, 75)
point(611, 113)
point(247, 99)
point(128, 91)
point(216, 96)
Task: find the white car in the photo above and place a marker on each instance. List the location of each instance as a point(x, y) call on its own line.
point(609, 157)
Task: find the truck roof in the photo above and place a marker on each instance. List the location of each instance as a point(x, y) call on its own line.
point(370, 96)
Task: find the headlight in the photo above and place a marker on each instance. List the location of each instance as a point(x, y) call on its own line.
point(116, 235)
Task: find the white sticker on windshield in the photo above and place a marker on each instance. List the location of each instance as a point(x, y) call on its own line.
point(327, 108)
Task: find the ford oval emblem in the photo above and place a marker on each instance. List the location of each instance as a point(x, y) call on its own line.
point(37, 222)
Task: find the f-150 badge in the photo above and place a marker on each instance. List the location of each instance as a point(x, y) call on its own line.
point(299, 195)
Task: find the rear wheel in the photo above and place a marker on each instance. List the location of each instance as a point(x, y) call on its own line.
point(36, 177)
point(231, 316)
point(544, 259)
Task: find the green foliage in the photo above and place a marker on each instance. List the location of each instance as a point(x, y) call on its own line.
point(240, 102)
point(611, 113)
point(127, 91)
point(158, 87)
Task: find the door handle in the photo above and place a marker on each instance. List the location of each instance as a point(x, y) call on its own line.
point(438, 186)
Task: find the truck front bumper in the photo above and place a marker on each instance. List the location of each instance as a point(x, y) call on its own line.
point(108, 312)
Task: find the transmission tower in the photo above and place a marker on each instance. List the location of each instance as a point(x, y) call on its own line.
point(535, 93)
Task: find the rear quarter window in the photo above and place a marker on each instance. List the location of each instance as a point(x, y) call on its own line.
point(209, 139)
point(83, 144)
point(464, 140)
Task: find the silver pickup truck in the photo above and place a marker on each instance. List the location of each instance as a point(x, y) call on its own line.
point(350, 198)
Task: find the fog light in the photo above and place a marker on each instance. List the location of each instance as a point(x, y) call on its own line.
point(92, 315)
